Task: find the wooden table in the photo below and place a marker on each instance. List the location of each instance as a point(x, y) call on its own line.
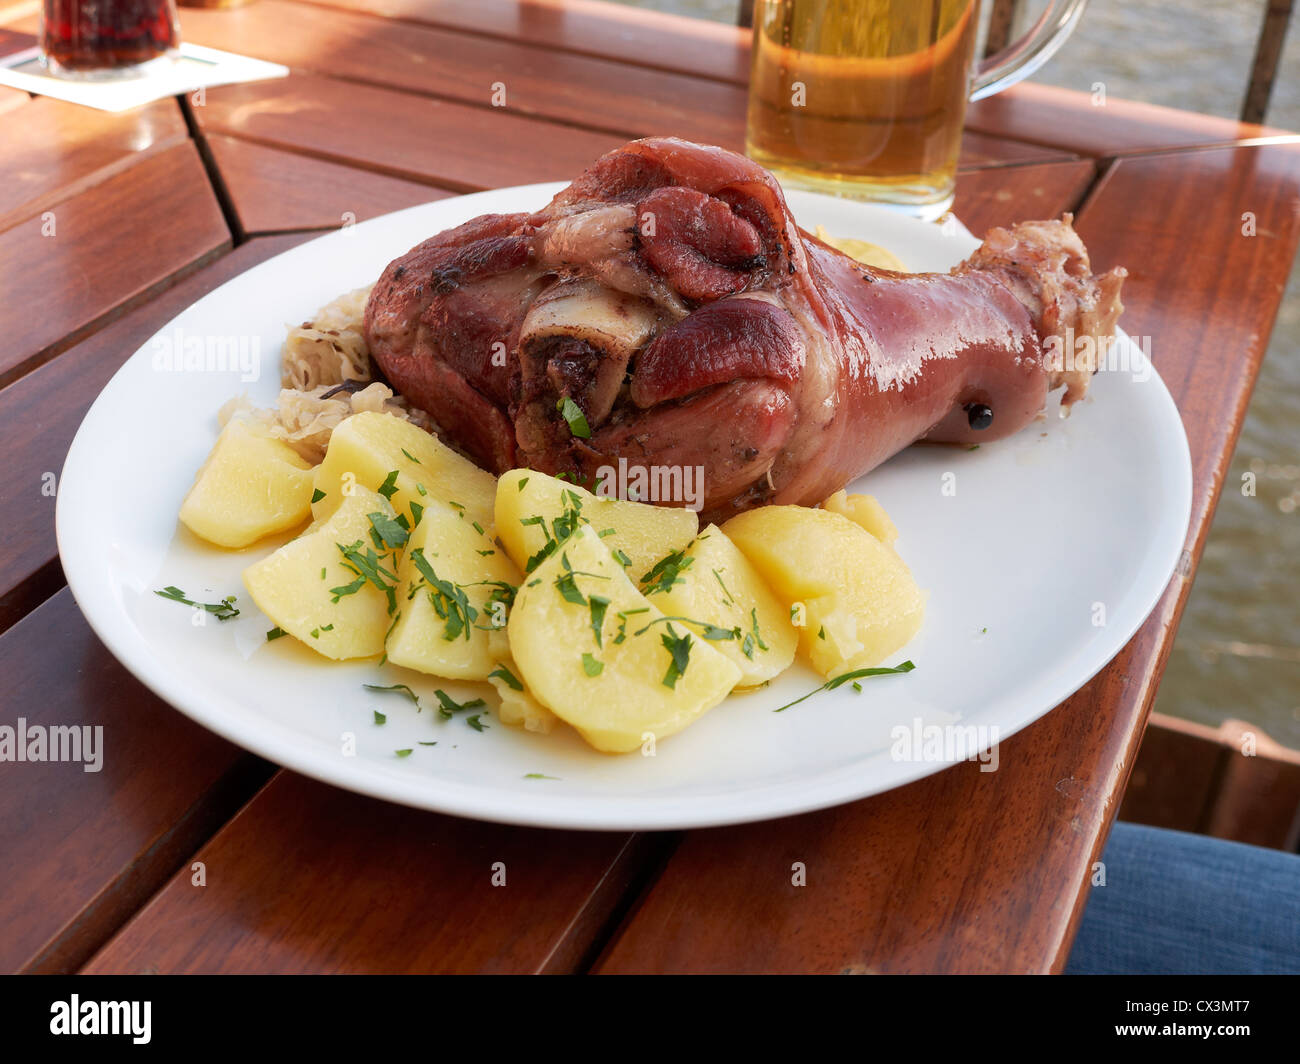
point(111, 224)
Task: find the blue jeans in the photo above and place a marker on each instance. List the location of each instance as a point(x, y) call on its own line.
point(1176, 903)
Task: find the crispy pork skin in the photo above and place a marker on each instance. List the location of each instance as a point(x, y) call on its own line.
point(668, 295)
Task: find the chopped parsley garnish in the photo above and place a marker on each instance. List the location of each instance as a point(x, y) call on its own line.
point(448, 599)
point(369, 568)
point(567, 585)
point(403, 753)
point(384, 657)
point(387, 533)
point(394, 688)
point(410, 456)
point(561, 528)
point(380, 718)
point(475, 723)
point(707, 630)
point(448, 706)
point(667, 571)
point(622, 559)
point(417, 512)
point(539, 776)
point(389, 487)
point(679, 649)
point(718, 576)
point(508, 677)
point(275, 633)
point(317, 495)
point(622, 616)
point(223, 610)
point(752, 637)
point(591, 666)
point(423, 743)
point(522, 482)
point(850, 677)
point(573, 415)
point(502, 591)
point(598, 604)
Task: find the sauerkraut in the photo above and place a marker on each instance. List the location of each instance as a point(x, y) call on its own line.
point(325, 376)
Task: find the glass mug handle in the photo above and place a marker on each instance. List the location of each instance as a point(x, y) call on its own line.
point(1022, 58)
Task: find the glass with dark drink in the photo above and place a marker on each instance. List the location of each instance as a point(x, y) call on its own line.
point(105, 38)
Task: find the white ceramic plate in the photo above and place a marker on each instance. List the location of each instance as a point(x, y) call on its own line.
point(1053, 549)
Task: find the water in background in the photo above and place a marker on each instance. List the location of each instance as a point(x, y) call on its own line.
point(1238, 649)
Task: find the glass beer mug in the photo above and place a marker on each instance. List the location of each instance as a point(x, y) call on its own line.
point(866, 98)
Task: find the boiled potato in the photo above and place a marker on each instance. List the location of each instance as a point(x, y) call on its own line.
point(250, 486)
point(298, 585)
point(518, 707)
point(435, 631)
point(371, 445)
point(719, 586)
point(588, 665)
point(865, 511)
point(864, 252)
point(642, 532)
point(859, 601)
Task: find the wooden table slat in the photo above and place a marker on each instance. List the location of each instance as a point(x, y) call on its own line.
point(312, 879)
point(64, 270)
point(12, 99)
point(50, 150)
point(633, 102)
point(275, 191)
point(630, 35)
point(591, 93)
point(969, 871)
point(85, 849)
point(1098, 125)
point(451, 144)
point(40, 413)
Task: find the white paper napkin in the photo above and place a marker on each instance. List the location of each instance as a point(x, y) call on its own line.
point(195, 67)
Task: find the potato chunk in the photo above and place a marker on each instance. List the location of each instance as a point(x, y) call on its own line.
point(713, 582)
point(518, 707)
point(866, 511)
point(594, 651)
point(298, 585)
point(528, 502)
point(857, 599)
point(250, 486)
point(456, 585)
point(371, 445)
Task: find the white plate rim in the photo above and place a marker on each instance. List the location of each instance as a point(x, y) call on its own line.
point(273, 740)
